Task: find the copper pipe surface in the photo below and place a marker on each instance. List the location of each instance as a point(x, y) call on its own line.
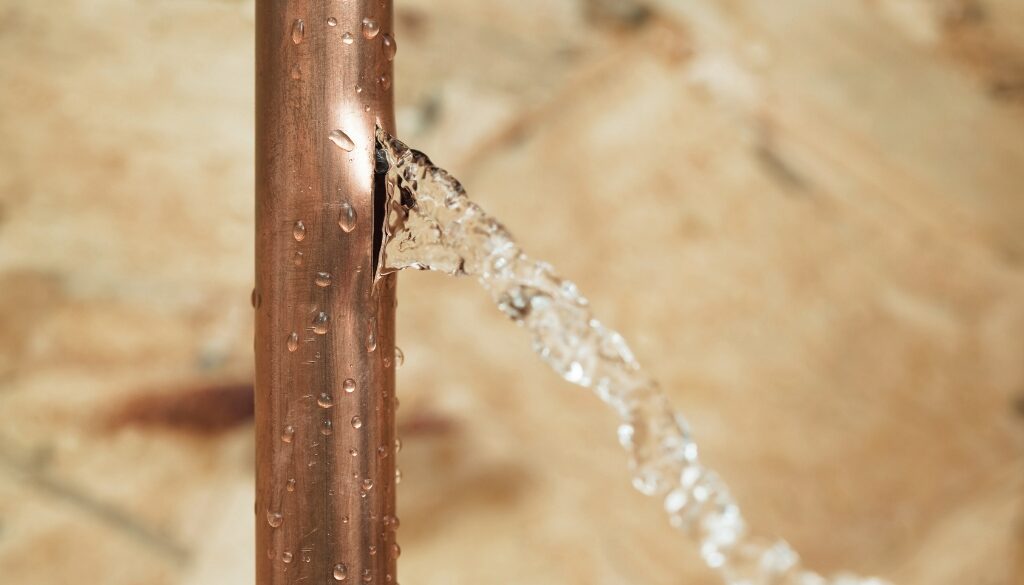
point(325, 391)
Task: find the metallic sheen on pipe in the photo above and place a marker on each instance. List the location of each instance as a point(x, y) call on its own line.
point(325, 385)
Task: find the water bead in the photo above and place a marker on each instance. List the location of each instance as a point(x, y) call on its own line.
point(341, 140)
point(370, 28)
point(340, 572)
point(347, 217)
point(274, 519)
point(390, 47)
point(320, 323)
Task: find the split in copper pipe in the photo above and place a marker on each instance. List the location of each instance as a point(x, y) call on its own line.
point(325, 392)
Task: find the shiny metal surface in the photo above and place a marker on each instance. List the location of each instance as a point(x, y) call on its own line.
point(325, 456)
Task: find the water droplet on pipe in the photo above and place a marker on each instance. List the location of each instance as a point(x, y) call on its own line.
point(347, 217)
point(342, 140)
point(370, 28)
point(390, 47)
point(298, 31)
point(320, 323)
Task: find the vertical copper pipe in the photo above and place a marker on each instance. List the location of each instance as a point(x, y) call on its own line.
point(325, 395)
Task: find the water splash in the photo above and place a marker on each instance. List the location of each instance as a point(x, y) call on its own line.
point(432, 225)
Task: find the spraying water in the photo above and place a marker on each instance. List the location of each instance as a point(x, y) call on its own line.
point(432, 225)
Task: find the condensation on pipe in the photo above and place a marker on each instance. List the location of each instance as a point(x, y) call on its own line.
point(325, 391)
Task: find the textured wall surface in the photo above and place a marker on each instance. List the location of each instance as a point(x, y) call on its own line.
point(807, 217)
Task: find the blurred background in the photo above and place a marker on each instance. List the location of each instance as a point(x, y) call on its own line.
point(807, 217)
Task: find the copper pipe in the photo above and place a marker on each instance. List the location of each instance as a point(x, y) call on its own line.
point(325, 392)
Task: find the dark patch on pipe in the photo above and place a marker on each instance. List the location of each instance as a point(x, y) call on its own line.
point(380, 200)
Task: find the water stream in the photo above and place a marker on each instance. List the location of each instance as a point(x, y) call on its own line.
point(432, 225)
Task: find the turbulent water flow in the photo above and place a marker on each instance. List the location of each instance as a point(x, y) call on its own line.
point(432, 225)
